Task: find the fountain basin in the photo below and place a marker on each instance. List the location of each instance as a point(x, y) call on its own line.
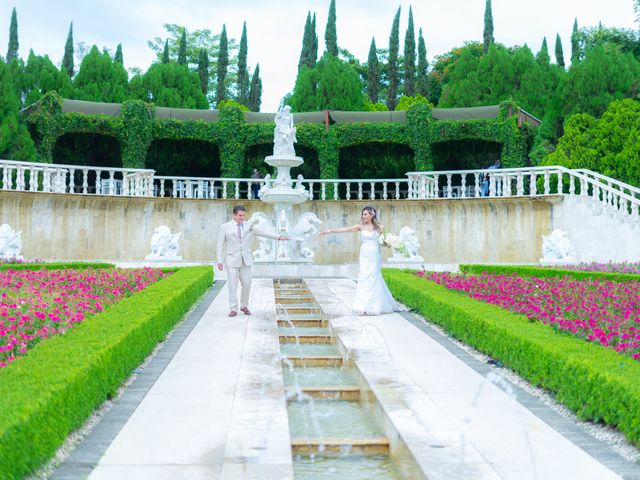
point(284, 195)
point(282, 161)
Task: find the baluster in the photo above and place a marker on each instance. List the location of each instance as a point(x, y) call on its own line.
point(560, 187)
point(6, 178)
point(546, 182)
point(463, 185)
point(112, 190)
point(85, 181)
point(20, 179)
point(506, 186)
point(161, 187)
point(373, 190)
point(397, 196)
point(533, 187)
point(423, 187)
point(572, 185)
point(449, 192)
point(583, 187)
point(126, 179)
point(72, 180)
point(410, 187)
point(384, 190)
point(359, 190)
point(174, 192)
point(323, 191)
point(520, 184)
point(33, 179)
point(348, 190)
point(237, 190)
point(476, 180)
point(224, 190)
point(46, 180)
point(492, 185)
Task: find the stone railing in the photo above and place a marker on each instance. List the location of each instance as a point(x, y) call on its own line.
point(78, 179)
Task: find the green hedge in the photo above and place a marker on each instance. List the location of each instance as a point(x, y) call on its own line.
point(55, 265)
point(545, 272)
point(51, 391)
point(596, 383)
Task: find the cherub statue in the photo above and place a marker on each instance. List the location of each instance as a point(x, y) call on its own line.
point(164, 244)
point(284, 135)
point(411, 243)
point(556, 247)
point(10, 243)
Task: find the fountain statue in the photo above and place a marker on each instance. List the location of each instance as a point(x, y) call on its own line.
point(281, 193)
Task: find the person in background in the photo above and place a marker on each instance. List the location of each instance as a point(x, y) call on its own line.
point(255, 186)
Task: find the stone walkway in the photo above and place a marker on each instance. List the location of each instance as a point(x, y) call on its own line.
point(210, 404)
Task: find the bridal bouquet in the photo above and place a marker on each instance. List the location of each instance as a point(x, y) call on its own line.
point(393, 241)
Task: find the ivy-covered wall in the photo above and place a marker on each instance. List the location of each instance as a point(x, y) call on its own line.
point(136, 128)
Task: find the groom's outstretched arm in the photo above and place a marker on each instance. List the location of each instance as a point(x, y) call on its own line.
point(274, 236)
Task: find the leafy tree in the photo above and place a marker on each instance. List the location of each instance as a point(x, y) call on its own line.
point(169, 85)
point(203, 70)
point(626, 40)
point(100, 79)
point(444, 64)
point(67, 59)
point(576, 53)
point(487, 34)
point(255, 91)
point(406, 102)
point(543, 57)
point(41, 76)
point(559, 53)
point(223, 63)
point(423, 65)
point(243, 74)
point(636, 9)
point(15, 142)
point(118, 58)
point(373, 73)
point(330, 34)
point(392, 69)
point(182, 51)
point(165, 52)
point(309, 39)
point(375, 107)
point(304, 97)
point(313, 57)
point(12, 50)
point(409, 57)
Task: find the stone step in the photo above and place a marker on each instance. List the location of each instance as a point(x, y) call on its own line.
point(366, 446)
point(304, 322)
point(315, 361)
point(332, 392)
point(294, 299)
point(292, 310)
point(312, 338)
point(300, 316)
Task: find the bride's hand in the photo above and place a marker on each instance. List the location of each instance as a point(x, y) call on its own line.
point(326, 232)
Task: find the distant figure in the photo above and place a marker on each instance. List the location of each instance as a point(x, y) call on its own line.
point(255, 186)
point(284, 135)
point(484, 191)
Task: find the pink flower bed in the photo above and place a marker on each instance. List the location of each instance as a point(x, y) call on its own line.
point(599, 311)
point(623, 267)
point(36, 304)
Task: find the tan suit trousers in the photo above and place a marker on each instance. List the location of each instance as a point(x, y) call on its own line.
point(242, 273)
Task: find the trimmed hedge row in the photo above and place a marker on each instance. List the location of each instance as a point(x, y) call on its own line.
point(544, 272)
point(596, 383)
point(51, 391)
point(55, 265)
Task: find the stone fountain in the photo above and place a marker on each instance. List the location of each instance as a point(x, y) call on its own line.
point(282, 194)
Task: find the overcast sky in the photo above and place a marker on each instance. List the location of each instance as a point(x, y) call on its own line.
point(275, 27)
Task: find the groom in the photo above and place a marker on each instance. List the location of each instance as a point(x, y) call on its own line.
point(235, 238)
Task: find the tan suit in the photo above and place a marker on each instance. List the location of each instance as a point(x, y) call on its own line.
point(238, 258)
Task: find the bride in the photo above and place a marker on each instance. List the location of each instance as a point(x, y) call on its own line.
point(372, 294)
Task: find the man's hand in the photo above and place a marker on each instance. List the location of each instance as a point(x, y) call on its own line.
point(282, 237)
point(220, 266)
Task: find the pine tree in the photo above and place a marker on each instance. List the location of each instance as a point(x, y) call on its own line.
point(330, 34)
point(409, 58)
point(203, 70)
point(182, 51)
point(223, 63)
point(559, 52)
point(15, 141)
point(255, 92)
point(394, 77)
point(307, 44)
point(575, 44)
point(12, 50)
point(67, 59)
point(313, 56)
point(422, 78)
point(165, 52)
point(243, 75)
point(488, 27)
point(373, 73)
point(543, 58)
point(118, 56)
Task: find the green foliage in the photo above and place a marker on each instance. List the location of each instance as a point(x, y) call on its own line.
point(544, 272)
point(608, 145)
point(169, 85)
point(392, 68)
point(440, 74)
point(422, 82)
point(330, 33)
point(182, 48)
point(373, 73)
point(375, 107)
point(255, 91)
point(309, 52)
point(100, 79)
point(605, 74)
point(626, 40)
point(15, 141)
point(51, 392)
point(406, 102)
point(313, 53)
point(597, 383)
point(243, 74)
point(223, 63)
point(165, 53)
point(118, 58)
point(559, 52)
point(67, 59)
point(12, 49)
point(41, 76)
point(203, 70)
point(55, 265)
point(487, 34)
point(576, 52)
point(409, 58)
point(232, 103)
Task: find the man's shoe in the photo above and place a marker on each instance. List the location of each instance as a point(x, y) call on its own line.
point(245, 310)
point(233, 313)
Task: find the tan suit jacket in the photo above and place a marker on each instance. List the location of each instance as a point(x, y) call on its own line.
point(231, 251)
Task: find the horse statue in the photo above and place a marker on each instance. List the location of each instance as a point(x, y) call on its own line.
point(164, 244)
point(556, 247)
point(305, 227)
point(411, 243)
point(261, 221)
point(10, 243)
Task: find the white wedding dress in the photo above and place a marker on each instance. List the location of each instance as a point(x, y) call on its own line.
point(372, 294)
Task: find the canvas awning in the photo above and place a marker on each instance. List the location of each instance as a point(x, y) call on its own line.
point(468, 113)
point(351, 117)
point(91, 108)
point(166, 113)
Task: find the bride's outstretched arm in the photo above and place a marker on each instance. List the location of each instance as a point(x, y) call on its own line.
point(355, 228)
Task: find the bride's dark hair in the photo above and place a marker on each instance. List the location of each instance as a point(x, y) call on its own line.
point(374, 217)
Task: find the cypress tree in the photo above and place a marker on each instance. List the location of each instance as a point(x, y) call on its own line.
point(409, 58)
point(373, 73)
point(255, 92)
point(243, 76)
point(394, 77)
point(12, 50)
point(559, 52)
point(67, 59)
point(165, 52)
point(223, 63)
point(203, 70)
point(307, 44)
point(488, 27)
point(313, 56)
point(543, 55)
point(118, 56)
point(182, 49)
point(422, 79)
point(330, 34)
point(575, 44)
